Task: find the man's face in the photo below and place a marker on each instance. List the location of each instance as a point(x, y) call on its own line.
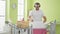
point(37, 6)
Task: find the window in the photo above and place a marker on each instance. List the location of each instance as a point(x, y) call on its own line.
point(20, 9)
point(2, 14)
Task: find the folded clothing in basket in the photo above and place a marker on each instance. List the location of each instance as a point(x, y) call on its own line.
point(23, 24)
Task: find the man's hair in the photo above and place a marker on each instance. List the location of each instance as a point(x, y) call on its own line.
point(37, 4)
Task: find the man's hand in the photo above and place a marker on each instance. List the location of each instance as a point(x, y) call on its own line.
point(30, 19)
point(44, 18)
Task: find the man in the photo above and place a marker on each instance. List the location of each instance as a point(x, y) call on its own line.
point(36, 16)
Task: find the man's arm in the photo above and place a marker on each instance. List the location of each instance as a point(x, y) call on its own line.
point(44, 19)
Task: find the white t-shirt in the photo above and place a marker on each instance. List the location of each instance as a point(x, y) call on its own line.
point(37, 18)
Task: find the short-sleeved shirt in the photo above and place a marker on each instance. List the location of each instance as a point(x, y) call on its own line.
point(37, 18)
point(36, 15)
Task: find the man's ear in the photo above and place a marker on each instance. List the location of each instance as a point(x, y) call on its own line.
point(34, 5)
